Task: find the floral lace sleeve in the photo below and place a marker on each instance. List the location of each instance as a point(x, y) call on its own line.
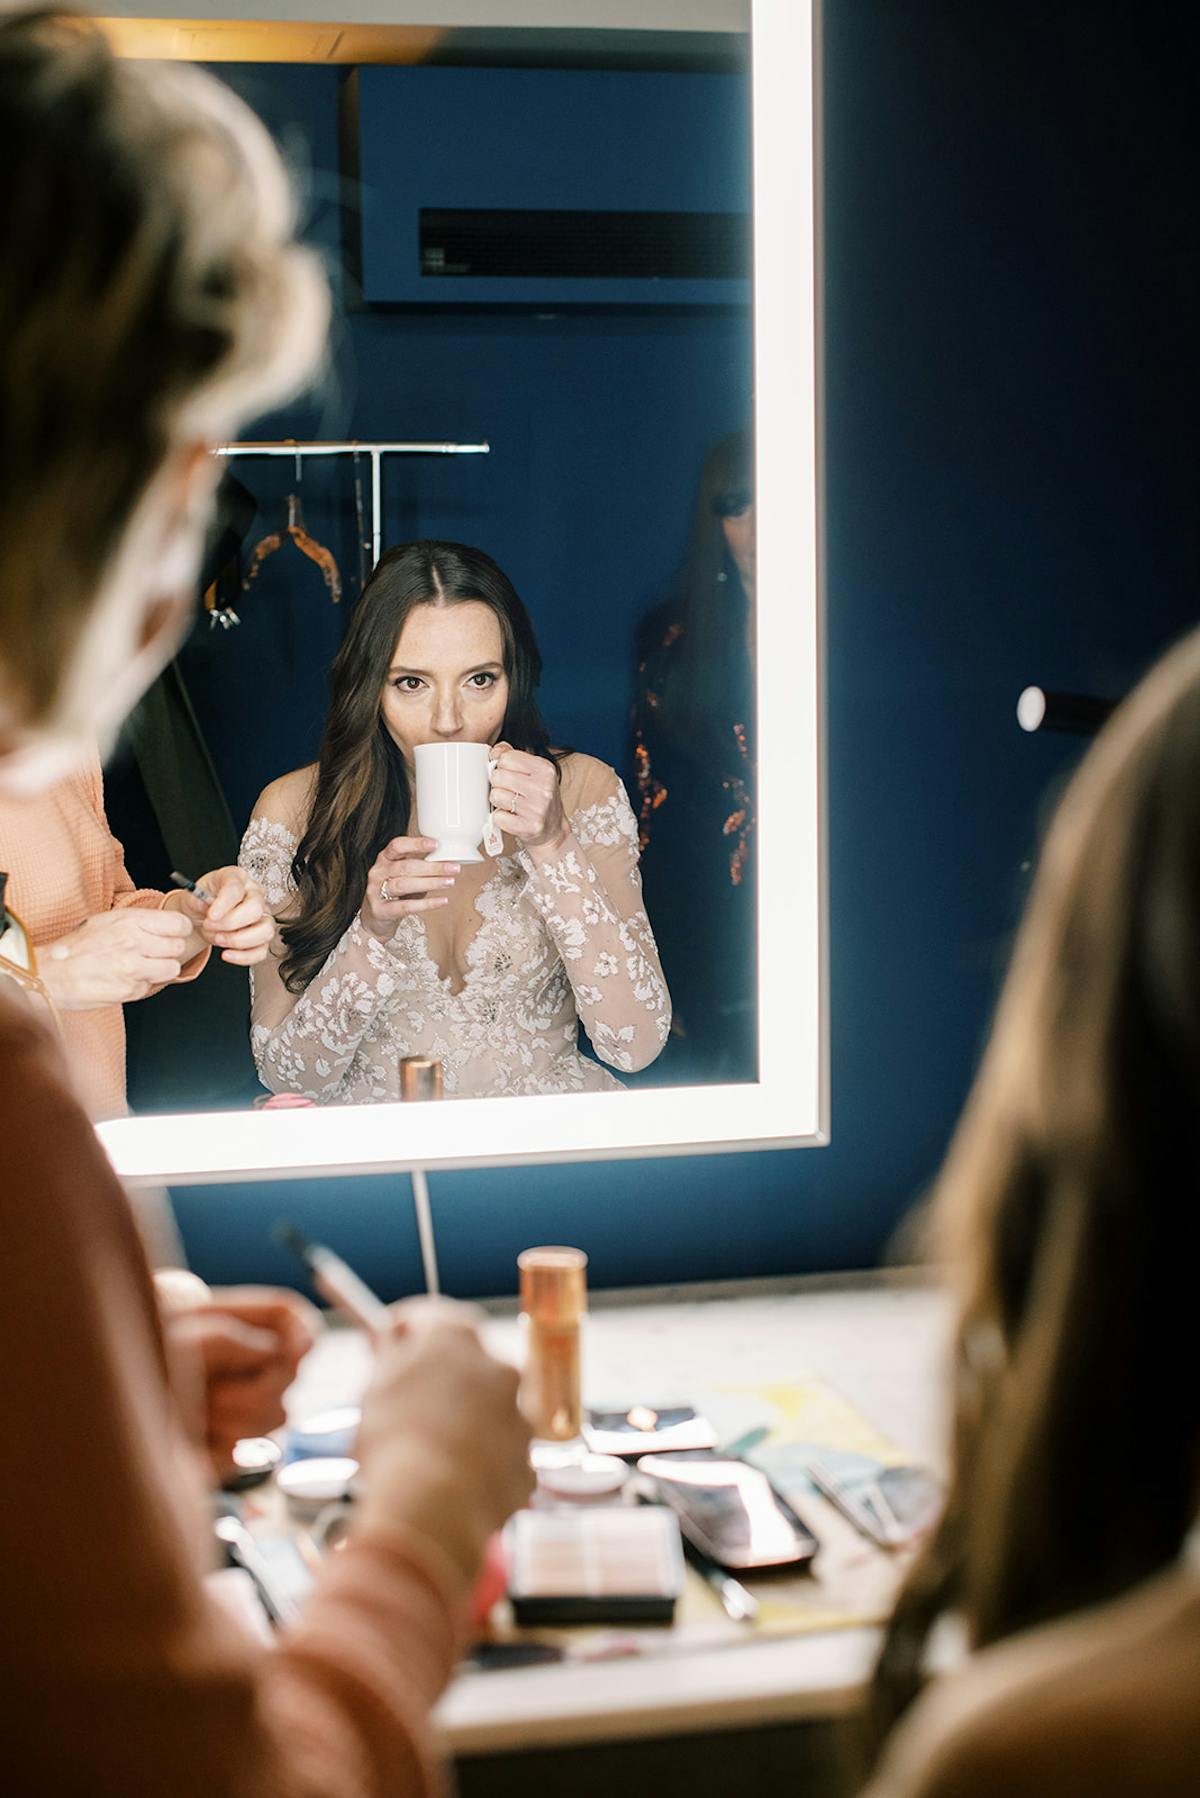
point(589, 896)
point(305, 1044)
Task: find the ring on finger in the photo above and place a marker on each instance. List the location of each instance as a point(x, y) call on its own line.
point(384, 894)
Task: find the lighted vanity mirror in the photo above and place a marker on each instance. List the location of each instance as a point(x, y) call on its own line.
point(500, 270)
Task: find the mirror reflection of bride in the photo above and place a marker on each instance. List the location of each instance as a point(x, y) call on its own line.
point(489, 967)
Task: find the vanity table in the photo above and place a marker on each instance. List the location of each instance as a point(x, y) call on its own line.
point(699, 1715)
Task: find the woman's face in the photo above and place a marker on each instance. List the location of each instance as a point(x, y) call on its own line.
point(447, 682)
point(739, 536)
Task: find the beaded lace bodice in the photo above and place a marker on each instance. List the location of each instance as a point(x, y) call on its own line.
point(555, 942)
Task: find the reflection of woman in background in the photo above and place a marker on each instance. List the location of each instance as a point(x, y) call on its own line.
point(1068, 1216)
point(694, 771)
point(488, 967)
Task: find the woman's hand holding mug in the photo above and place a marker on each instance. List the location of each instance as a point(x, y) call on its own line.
point(402, 881)
point(526, 799)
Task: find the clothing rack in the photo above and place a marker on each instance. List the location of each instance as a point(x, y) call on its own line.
point(375, 451)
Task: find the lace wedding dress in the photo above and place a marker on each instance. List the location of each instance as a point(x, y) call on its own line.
point(494, 986)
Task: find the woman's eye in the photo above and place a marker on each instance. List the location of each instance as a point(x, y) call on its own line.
point(482, 680)
point(408, 683)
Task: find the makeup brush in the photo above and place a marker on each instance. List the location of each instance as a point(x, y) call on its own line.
point(334, 1279)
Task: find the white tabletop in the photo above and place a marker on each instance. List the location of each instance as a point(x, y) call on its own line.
point(876, 1342)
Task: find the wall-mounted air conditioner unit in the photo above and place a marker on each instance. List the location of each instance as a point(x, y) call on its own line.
point(549, 187)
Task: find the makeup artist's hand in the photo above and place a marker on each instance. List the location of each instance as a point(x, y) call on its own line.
point(249, 1341)
point(114, 957)
point(526, 798)
point(413, 884)
point(444, 1448)
point(237, 921)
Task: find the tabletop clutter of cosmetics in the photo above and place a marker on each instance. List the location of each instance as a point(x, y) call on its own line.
point(625, 1497)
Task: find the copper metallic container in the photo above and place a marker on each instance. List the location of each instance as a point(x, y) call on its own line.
point(553, 1306)
point(420, 1077)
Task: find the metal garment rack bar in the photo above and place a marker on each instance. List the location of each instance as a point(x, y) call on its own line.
point(375, 451)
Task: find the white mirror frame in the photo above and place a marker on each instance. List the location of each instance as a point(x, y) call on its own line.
point(789, 1105)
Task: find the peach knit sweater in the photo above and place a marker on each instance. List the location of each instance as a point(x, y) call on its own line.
point(119, 1676)
point(64, 866)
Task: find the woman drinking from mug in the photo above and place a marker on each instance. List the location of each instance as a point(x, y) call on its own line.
point(489, 967)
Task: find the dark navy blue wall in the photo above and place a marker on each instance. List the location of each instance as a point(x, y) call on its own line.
point(1010, 281)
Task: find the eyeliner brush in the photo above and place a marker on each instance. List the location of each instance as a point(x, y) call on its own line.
point(189, 886)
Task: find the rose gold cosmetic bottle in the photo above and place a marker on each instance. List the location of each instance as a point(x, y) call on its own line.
point(553, 1306)
point(420, 1077)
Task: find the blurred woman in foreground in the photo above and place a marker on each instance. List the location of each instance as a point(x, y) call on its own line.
point(1068, 1215)
point(151, 297)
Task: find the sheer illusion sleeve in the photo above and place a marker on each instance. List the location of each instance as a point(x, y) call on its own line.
point(307, 1043)
point(588, 894)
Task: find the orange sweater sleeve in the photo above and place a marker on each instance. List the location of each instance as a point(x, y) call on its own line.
point(120, 1677)
point(124, 893)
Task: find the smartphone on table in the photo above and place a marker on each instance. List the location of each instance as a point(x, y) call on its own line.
point(729, 1511)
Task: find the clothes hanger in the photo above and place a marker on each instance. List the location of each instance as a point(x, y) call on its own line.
point(360, 518)
point(316, 552)
point(234, 512)
point(296, 531)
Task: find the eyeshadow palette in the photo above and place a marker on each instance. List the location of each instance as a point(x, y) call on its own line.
point(646, 1429)
point(616, 1564)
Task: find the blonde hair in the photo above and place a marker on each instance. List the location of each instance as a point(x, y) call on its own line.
point(152, 294)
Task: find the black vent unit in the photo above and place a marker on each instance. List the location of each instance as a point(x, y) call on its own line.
point(522, 245)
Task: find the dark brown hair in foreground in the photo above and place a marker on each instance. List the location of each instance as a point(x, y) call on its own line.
point(1069, 1214)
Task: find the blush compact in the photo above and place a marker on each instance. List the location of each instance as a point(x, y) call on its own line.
point(618, 1564)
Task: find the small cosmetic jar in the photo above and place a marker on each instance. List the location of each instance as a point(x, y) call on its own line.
point(324, 1433)
point(309, 1486)
point(591, 1480)
point(255, 1459)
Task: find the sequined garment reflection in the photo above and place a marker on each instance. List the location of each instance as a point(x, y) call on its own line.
point(548, 946)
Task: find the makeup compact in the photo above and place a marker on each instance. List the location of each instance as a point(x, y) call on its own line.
point(648, 1429)
point(324, 1433)
point(308, 1486)
point(604, 1565)
point(591, 1480)
point(255, 1459)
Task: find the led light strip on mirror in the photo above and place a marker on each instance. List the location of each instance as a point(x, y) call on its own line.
point(788, 1105)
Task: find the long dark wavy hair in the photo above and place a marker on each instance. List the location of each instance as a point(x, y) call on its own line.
point(363, 795)
point(1067, 1215)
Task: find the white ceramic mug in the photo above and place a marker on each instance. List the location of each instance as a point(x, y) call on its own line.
point(453, 789)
